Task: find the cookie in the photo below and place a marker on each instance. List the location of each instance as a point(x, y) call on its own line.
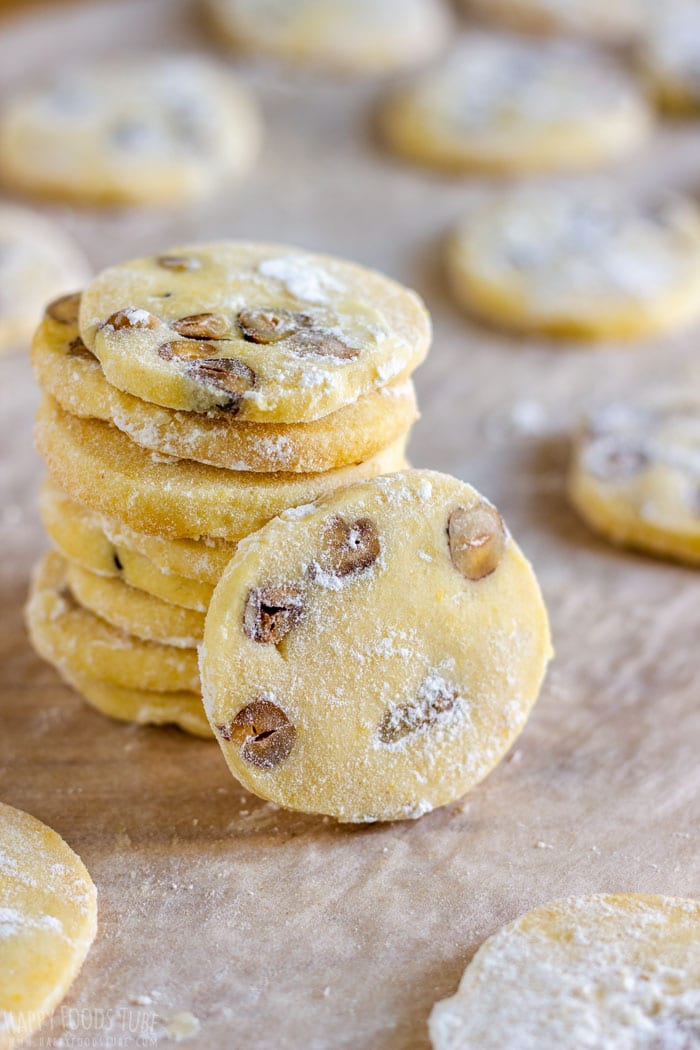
point(615, 971)
point(505, 105)
point(578, 264)
point(635, 476)
point(101, 467)
point(134, 611)
point(670, 54)
point(65, 369)
point(264, 332)
point(340, 36)
point(48, 921)
point(155, 130)
point(79, 536)
point(616, 23)
point(78, 643)
point(37, 262)
point(374, 655)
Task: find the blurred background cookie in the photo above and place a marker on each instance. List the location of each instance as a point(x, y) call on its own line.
point(610, 21)
point(670, 54)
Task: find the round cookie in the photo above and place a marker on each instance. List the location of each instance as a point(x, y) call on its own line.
point(635, 476)
point(615, 23)
point(615, 971)
point(37, 262)
point(374, 655)
point(157, 494)
point(156, 130)
point(48, 921)
point(79, 537)
point(268, 333)
point(77, 642)
point(504, 104)
point(134, 611)
point(342, 36)
point(68, 371)
point(578, 264)
point(670, 54)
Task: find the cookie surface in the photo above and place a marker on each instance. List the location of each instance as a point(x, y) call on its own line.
point(635, 476)
point(78, 643)
point(157, 130)
point(578, 264)
point(507, 104)
point(374, 655)
point(619, 972)
point(268, 333)
point(48, 920)
point(38, 261)
point(157, 494)
point(670, 54)
point(345, 36)
point(616, 23)
point(65, 369)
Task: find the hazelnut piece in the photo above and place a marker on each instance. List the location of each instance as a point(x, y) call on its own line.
point(131, 317)
point(433, 699)
point(477, 539)
point(271, 611)
point(178, 263)
point(222, 373)
point(201, 326)
point(349, 546)
point(65, 309)
point(263, 732)
point(269, 326)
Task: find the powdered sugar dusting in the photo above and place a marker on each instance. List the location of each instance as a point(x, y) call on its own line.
point(301, 277)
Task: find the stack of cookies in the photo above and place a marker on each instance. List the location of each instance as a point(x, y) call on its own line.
point(189, 398)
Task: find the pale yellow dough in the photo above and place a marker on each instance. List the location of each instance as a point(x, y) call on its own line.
point(288, 336)
point(101, 467)
point(617, 972)
point(65, 369)
point(578, 263)
point(616, 22)
point(156, 130)
point(505, 104)
point(361, 661)
point(80, 644)
point(635, 476)
point(80, 537)
point(670, 54)
point(343, 36)
point(48, 921)
point(37, 262)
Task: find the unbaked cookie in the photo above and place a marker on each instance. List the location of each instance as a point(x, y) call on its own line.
point(578, 263)
point(67, 370)
point(101, 467)
point(78, 643)
point(37, 262)
point(374, 655)
point(79, 536)
point(344, 36)
point(618, 22)
point(48, 920)
point(507, 104)
point(156, 130)
point(670, 54)
point(620, 972)
point(635, 476)
point(267, 333)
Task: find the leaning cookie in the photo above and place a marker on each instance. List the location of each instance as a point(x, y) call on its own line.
point(157, 130)
point(635, 476)
point(578, 263)
point(374, 655)
point(504, 104)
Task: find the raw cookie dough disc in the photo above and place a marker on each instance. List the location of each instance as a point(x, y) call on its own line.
point(578, 263)
point(68, 371)
point(611, 972)
point(101, 467)
point(134, 611)
point(48, 921)
point(344, 36)
point(80, 538)
point(505, 104)
point(157, 130)
point(635, 476)
point(670, 54)
point(270, 333)
point(37, 262)
point(617, 22)
point(78, 643)
point(374, 655)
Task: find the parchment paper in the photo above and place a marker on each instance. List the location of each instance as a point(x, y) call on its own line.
point(232, 924)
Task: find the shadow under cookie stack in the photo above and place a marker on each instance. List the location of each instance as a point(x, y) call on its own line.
point(188, 399)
